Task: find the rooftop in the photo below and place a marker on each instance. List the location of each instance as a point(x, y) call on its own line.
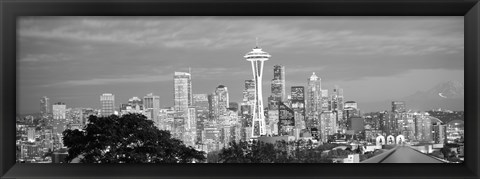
point(402, 154)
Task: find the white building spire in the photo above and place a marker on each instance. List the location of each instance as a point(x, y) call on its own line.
point(257, 57)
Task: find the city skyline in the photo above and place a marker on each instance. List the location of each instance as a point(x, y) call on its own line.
point(73, 60)
point(317, 100)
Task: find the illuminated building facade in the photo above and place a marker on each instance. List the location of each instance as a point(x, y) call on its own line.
point(183, 99)
point(108, 104)
point(298, 105)
point(151, 105)
point(313, 100)
point(223, 101)
point(45, 105)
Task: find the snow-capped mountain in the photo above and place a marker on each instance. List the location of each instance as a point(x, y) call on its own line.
point(448, 95)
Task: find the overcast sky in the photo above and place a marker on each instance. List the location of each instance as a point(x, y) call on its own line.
point(76, 59)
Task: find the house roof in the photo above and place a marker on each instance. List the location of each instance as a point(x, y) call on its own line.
point(402, 154)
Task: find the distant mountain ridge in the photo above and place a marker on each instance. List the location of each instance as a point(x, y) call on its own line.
point(447, 95)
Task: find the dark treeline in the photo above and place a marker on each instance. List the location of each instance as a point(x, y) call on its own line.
point(299, 151)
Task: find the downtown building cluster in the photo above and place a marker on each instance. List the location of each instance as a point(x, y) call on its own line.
point(210, 121)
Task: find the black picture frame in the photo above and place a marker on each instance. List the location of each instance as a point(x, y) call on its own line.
point(11, 9)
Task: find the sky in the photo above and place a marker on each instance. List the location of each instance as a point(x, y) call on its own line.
point(76, 59)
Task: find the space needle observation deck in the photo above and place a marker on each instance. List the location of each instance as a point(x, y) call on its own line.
point(257, 57)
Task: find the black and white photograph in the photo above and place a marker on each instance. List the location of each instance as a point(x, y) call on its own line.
point(240, 89)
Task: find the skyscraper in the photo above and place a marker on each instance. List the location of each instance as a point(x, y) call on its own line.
point(183, 96)
point(325, 100)
point(213, 107)
point(278, 82)
point(59, 117)
point(277, 87)
point(151, 105)
point(328, 125)
point(246, 107)
point(337, 99)
point(45, 105)
point(337, 107)
point(59, 110)
point(257, 57)
point(108, 104)
point(340, 99)
point(190, 126)
point(314, 99)
point(439, 133)
point(249, 92)
point(200, 101)
point(286, 120)
point(298, 105)
point(183, 99)
point(223, 100)
point(31, 134)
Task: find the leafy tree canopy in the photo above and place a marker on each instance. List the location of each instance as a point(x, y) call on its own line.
point(130, 138)
point(299, 151)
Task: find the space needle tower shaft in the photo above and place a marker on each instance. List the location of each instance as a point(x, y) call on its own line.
point(257, 57)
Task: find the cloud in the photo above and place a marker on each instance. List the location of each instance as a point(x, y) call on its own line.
point(301, 69)
point(224, 33)
point(109, 81)
point(45, 58)
point(218, 72)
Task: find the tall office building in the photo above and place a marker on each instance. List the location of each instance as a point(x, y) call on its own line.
point(298, 105)
point(350, 110)
point(439, 133)
point(246, 107)
point(223, 100)
point(45, 105)
point(213, 107)
point(59, 111)
point(31, 134)
point(278, 83)
point(337, 99)
point(108, 104)
point(277, 87)
point(328, 125)
point(314, 99)
point(257, 57)
point(325, 100)
point(200, 101)
point(249, 92)
point(151, 105)
point(183, 97)
point(341, 101)
point(191, 122)
point(286, 120)
point(337, 107)
point(422, 128)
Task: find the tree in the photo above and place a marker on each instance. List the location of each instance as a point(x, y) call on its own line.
point(130, 138)
point(243, 152)
point(213, 157)
point(261, 152)
point(236, 153)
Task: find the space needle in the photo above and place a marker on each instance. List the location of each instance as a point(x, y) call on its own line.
point(257, 57)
